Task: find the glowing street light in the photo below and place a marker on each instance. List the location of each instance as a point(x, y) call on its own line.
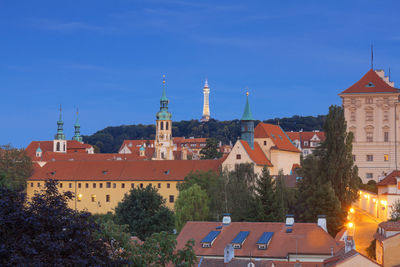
point(350, 224)
point(352, 210)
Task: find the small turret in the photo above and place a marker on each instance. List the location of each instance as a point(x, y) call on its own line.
point(247, 122)
point(39, 152)
point(59, 142)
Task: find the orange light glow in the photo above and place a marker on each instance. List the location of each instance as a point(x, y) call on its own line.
point(352, 210)
point(350, 225)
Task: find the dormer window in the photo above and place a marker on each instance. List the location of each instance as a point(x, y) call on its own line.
point(209, 239)
point(264, 240)
point(238, 241)
point(370, 84)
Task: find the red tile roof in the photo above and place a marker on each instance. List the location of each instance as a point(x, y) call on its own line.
point(390, 225)
point(168, 170)
point(380, 86)
point(276, 134)
point(73, 146)
point(305, 136)
point(311, 239)
point(336, 260)
point(178, 141)
point(256, 154)
point(390, 179)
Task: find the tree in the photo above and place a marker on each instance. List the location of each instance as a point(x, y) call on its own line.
point(281, 195)
point(46, 232)
point(191, 205)
point(212, 183)
point(144, 211)
point(317, 197)
point(395, 211)
point(15, 167)
point(336, 160)
point(266, 195)
point(210, 151)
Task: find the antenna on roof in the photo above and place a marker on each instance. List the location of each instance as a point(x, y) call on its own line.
point(372, 56)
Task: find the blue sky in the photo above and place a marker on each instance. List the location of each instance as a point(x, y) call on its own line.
point(107, 58)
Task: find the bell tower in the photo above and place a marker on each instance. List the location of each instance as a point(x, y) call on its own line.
point(77, 127)
point(59, 142)
point(163, 141)
point(247, 122)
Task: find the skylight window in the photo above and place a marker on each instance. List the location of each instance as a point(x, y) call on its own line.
point(238, 241)
point(209, 239)
point(264, 240)
point(370, 84)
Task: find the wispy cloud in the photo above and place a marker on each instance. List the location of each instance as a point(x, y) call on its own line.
point(67, 26)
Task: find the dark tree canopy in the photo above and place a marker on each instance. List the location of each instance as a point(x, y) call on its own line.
point(110, 139)
point(210, 151)
point(45, 232)
point(145, 213)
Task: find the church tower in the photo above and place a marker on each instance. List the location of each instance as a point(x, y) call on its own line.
point(59, 142)
point(77, 135)
point(206, 103)
point(247, 122)
point(163, 142)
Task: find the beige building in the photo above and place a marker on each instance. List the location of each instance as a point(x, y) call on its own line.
point(100, 184)
point(369, 108)
point(388, 244)
point(265, 146)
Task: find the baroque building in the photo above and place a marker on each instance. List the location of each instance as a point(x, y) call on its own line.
point(163, 142)
point(370, 108)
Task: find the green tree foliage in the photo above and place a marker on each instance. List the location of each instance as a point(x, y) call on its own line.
point(144, 211)
point(238, 189)
point(370, 186)
point(15, 167)
point(157, 250)
point(317, 197)
point(46, 232)
point(336, 160)
point(266, 195)
point(282, 198)
point(110, 139)
point(212, 183)
point(210, 151)
point(191, 205)
point(395, 211)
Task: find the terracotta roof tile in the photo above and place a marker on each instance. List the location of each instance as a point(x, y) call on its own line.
point(311, 239)
point(390, 179)
point(390, 225)
point(379, 85)
point(73, 146)
point(168, 170)
point(256, 154)
point(306, 136)
point(276, 134)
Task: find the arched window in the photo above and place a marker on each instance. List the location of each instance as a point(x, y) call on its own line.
point(162, 125)
point(58, 146)
point(166, 126)
point(64, 147)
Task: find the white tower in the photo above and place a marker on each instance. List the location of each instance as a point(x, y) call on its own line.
point(206, 104)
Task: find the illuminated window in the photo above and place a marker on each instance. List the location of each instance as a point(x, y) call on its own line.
point(107, 198)
point(93, 198)
point(370, 157)
point(386, 157)
point(171, 199)
point(79, 198)
point(238, 156)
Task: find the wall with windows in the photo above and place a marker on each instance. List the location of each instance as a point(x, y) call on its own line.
point(103, 196)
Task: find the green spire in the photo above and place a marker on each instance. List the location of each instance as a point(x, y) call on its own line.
point(77, 126)
point(247, 113)
point(163, 114)
point(60, 132)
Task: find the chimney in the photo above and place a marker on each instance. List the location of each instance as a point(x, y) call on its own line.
point(229, 253)
point(226, 219)
point(289, 220)
point(322, 222)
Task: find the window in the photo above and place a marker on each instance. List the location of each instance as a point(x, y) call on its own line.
point(38, 184)
point(108, 185)
point(101, 185)
point(166, 126)
point(159, 185)
point(386, 157)
point(114, 185)
point(354, 157)
point(122, 185)
point(132, 185)
point(305, 143)
point(265, 143)
point(93, 198)
point(141, 185)
point(79, 185)
point(107, 198)
point(370, 157)
point(58, 147)
point(171, 199)
point(353, 116)
point(369, 116)
point(162, 125)
point(369, 175)
point(94, 185)
point(70, 185)
point(238, 156)
point(353, 101)
point(79, 197)
point(386, 136)
point(168, 185)
point(150, 184)
point(61, 185)
point(370, 137)
point(87, 185)
point(31, 184)
point(385, 116)
point(369, 100)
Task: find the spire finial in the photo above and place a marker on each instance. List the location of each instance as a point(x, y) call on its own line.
point(206, 82)
point(372, 56)
point(247, 116)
